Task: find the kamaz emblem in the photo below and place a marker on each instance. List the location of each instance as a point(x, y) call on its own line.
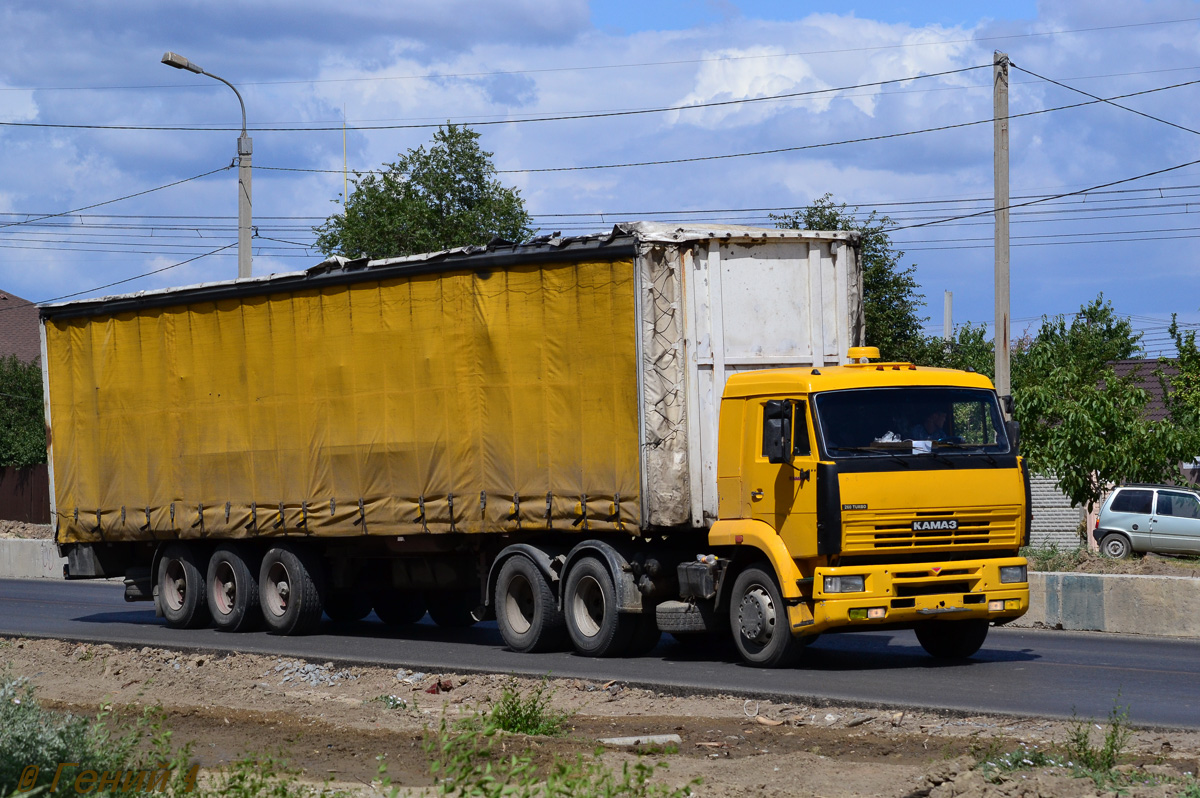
point(926, 526)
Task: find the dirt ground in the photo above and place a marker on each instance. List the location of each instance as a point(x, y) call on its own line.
point(333, 720)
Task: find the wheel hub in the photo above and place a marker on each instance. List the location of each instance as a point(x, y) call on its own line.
point(756, 616)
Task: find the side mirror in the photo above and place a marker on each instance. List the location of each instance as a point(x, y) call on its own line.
point(1013, 430)
point(777, 431)
point(1006, 402)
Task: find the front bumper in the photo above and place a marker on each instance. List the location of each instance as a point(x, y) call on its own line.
point(907, 594)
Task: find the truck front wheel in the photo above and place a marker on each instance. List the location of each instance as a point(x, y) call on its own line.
point(181, 588)
point(952, 639)
point(526, 608)
point(291, 588)
point(759, 619)
point(596, 626)
point(233, 590)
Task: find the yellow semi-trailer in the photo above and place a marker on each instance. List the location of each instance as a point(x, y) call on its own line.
point(567, 434)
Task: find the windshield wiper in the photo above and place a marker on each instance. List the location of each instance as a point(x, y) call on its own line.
point(966, 447)
point(898, 456)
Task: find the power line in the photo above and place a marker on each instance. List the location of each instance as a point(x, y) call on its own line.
point(118, 199)
point(1110, 102)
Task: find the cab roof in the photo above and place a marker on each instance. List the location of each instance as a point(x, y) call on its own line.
point(856, 375)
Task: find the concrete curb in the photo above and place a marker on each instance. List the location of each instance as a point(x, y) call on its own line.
point(1118, 603)
point(30, 559)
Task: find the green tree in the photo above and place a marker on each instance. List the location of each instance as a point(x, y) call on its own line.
point(1081, 422)
point(22, 420)
point(970, 350)
point(429, 199)
point(891, 300)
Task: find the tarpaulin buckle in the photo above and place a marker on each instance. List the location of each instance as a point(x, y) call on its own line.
point(450, 501)
point(362, 516)
point(199, 518)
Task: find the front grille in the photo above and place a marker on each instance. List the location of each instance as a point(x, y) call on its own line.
point(893, 530)
point(932, 588)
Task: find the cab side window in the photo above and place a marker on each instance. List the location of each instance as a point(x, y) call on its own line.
point(800, 446)
point(1133, 501)
point(1178, 505)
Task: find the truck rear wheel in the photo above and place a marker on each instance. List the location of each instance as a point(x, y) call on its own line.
point(596, 626)
point(233, 590)
point(526, 608)
point(952, 639)
point(181, 588)
point(398, 607)
point(759, 619)
point(291, 588)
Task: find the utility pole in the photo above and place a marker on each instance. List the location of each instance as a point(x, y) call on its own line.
point(948, 316)
point(1000, 133)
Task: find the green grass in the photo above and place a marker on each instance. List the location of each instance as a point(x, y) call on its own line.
point(529, 713)
point(1052, 558)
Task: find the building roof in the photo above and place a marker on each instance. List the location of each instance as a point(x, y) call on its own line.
point(19, 328)
point(1143, 371)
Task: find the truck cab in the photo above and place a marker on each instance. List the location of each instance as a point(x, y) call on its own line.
point(882, 495)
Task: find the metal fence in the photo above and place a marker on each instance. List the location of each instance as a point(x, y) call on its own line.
point(25, 494)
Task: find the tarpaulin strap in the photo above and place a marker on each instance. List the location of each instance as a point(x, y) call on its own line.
point(199, 519)
point(304, 517)
point(279, 521)
point(582, 520)
point(253, 525)
point(549, 510)
point(421, 517)
point(450, 501)
point(516, 509)
point(362, 516)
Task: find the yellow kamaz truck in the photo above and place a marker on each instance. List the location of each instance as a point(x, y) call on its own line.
point(590, 439)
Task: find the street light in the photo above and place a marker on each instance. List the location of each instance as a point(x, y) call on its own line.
point(245, 147)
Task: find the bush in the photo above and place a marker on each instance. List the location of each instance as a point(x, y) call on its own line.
point(525, 714)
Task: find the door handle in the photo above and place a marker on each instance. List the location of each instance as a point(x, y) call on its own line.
point(756, 494)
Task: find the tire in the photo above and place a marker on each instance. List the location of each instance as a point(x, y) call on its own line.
point(596, 628)
point(347, 605)
point(952, 639)
point(291, 590)
point(526, 608)
point(398, 607)
point(1115, 545)
point(453, 609)
point(233, 590)
point(180, 582)
point(759, 622)
point(646, 635)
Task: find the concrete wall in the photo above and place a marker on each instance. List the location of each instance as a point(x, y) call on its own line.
point(1119, 603)
point(1054, 519)
point(25, 559)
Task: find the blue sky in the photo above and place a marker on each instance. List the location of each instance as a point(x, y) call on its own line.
point(80, 82)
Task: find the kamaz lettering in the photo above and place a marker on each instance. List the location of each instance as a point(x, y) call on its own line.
point(924, 526)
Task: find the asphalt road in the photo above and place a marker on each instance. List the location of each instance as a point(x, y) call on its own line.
point(1023, 672)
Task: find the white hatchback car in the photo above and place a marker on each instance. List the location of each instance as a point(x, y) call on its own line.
point(1159, 518)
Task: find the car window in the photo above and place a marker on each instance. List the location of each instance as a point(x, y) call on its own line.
point(1132, 501)
point(1178, 505)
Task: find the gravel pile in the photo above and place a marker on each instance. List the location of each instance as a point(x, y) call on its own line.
point(307, 673)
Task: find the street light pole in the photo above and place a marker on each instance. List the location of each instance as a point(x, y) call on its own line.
point(245, 150)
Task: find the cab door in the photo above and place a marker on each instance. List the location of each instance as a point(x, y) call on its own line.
point(782, 495)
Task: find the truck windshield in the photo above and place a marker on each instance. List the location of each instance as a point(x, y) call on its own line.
point(872, 422)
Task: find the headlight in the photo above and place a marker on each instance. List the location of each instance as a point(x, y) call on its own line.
point(1013, 573)
point(845, 584)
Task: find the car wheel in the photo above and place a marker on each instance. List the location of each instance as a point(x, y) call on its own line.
point(233, 589)
point(291, 590)
point(596, 626)
point(759, 620)
point(181, 588)
point(526, 608)
point(1115, 545)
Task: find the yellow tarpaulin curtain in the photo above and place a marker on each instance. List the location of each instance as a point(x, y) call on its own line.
point(445, 402)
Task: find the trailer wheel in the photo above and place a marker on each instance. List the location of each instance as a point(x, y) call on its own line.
point(291, 588)
point(952, 639)
point(347, 605)
point(454, 609)
point(398, 607)
point(233, 590)
point(759, 619)
point(590, 602)
point(526, 608)
point(181, 588)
